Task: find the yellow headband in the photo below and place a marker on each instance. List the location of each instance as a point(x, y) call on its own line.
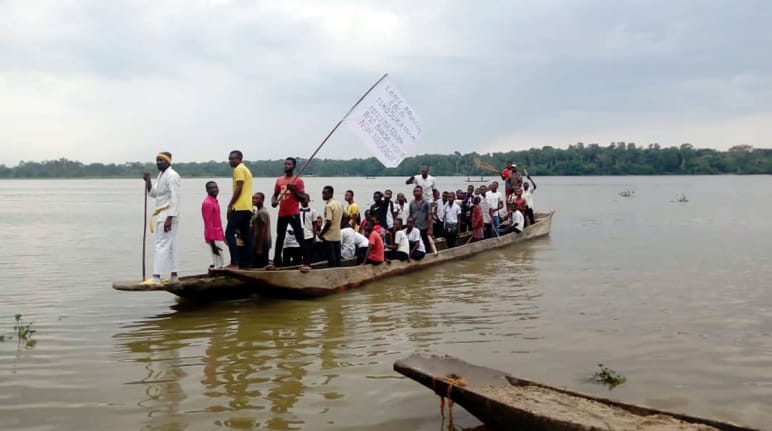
point(165, 157)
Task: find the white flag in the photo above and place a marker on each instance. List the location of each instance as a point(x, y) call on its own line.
point(385, 121)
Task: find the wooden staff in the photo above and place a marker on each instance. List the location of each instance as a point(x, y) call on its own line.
point(144, 231)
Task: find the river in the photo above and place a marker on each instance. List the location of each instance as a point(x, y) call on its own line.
point(676, 296)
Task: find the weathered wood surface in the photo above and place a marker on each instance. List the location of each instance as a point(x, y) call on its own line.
point(291, 283)
point(505, 402)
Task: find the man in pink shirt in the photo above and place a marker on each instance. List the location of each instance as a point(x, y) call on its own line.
point(288, 192)
point(213, 233)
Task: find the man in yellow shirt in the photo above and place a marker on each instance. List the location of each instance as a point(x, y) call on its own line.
point(240, 213)
point(352, 210)
point(333, 212)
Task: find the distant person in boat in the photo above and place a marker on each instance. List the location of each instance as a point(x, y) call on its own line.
point(427, 182)
point(352, 244)
point(513, 181)
point(375, 241)
point(164, 223)
point(520, 204)
point(495, 204)
point(261, 226)
point(307, 219)
point(399, 249)
point(487, 221)
point(478, 221)
point(333, 213)
point(417, 247)
point(401, 208)
point(389, 204)
point(240, 213)
point(438, 208)
point(421, 212)
point(288, 192)
point(291, 252)
point(352, 210)
point(379, 209)
point(451, 217)
point(466, 207)
point(214, 236)
point(528, 196)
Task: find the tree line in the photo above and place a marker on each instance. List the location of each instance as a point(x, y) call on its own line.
point(618, 158)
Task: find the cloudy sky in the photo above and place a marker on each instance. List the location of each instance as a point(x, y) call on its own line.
point(119, 80)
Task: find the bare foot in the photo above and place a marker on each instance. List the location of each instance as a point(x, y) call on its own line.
point(305, 268)
point(231, 266)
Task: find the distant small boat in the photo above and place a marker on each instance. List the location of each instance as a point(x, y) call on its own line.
point(481, 180)
point(505, 402)
point(369, 178)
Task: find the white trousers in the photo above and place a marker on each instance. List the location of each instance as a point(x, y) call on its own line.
point(218, 261)
point(165, 248)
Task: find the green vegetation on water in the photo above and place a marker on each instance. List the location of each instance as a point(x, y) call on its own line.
point(618, 158)
point(608, 377)
point(22, 333)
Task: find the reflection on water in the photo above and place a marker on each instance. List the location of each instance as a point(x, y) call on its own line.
point(277, 364)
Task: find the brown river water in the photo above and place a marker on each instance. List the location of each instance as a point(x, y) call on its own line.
point(675, 296)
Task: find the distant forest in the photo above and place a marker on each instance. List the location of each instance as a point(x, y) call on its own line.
point(618, 158)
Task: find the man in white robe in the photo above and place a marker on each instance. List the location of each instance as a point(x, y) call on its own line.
point(164, 222)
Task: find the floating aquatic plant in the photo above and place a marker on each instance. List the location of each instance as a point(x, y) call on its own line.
point(608, 377)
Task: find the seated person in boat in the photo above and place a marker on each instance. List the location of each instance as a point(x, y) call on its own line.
point(450, 222)
point(399, 249)
point(517, 220)
point(376, 255)
point(352, 244)
point(415, 240)
point(291, 253)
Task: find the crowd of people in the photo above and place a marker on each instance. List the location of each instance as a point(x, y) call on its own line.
point(389, 229)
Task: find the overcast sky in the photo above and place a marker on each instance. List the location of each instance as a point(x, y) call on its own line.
point(119, 80)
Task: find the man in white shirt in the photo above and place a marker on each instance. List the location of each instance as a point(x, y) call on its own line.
point(451, 213)
point(165, 219)
point(399, 249)
point(495, 203)
point(352, 243)
point(518, 221)
point(417, 248)
point(401, 208)
point(528, 196)
point(488, 231)
point(427, 182)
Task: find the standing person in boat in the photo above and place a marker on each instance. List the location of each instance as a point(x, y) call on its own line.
point(450, 222)
point(352, 210)
point(438, 213)
point(514, 181)
point(421, 212)
point(379, 209)
point(288, 192)
point(261, 225)
point(401, 208)
point(164, 223)
point(389, 204)
point(505, 176)
point(528, 196)
point(487, 226)
point(214, 235)
point(240, 213)
point(495, 203)
point(375, 242)
point(478, 221)
point(292, 253)
point(308, 218)
point(417, 247)
point(333, 213)
point(466, 207)
point(399, 249)
point(427, 182)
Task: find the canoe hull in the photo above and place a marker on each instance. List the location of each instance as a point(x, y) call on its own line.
point(236, 284)
point(471, 386)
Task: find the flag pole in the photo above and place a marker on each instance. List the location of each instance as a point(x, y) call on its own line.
point(305, 164)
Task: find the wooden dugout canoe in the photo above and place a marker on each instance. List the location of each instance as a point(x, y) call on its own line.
point(504, 402)
point(291, 283)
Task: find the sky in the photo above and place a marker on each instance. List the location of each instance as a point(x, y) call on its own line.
point(120, 80)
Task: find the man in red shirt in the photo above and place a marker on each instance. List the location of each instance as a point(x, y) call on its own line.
point(376, 256)
point(288, 192)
